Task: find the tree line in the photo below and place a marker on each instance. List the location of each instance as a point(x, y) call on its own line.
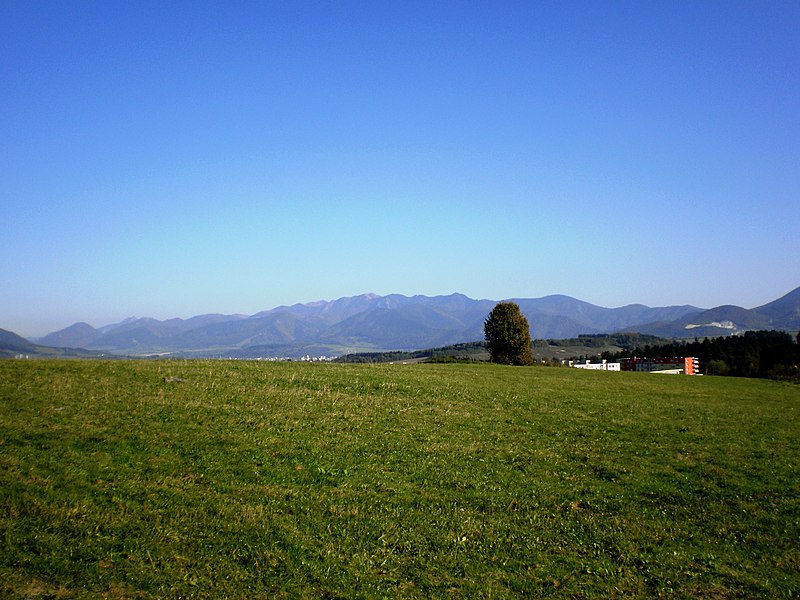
point(768, 354)
point(600, 340)
point(456, 352)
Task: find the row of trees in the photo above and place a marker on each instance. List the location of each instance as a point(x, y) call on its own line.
point(454, 353)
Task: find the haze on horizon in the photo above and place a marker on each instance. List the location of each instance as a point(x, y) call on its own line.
point(181, 159)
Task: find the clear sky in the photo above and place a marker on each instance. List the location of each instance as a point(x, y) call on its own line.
point(168, 159)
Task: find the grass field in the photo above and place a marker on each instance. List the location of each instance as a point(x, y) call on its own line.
point(136, 479)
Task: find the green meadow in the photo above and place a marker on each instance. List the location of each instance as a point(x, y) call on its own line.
point(210, 479)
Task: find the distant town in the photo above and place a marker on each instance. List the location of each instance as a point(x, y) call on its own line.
point(688, 365)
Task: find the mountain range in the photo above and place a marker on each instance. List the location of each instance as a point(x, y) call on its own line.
point(395, 322)
point(13, 345)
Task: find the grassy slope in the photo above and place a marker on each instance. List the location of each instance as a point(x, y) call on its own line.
point(299, 480)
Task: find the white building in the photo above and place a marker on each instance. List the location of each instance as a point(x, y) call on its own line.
point(603, 366)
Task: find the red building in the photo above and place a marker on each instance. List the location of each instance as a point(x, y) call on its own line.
point(687, 365)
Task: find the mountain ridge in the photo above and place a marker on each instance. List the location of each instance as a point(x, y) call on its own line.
point(369, 322)
point(13, 345)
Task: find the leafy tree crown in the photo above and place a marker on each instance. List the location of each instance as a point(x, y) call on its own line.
point(508, 335)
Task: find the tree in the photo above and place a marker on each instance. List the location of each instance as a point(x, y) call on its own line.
point(717, 367)
point(508, 335)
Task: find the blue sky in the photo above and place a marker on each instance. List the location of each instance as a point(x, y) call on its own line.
point(172, 159)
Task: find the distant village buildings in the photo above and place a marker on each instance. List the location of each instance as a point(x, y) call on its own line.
point(603, 366)
point(685, 365)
